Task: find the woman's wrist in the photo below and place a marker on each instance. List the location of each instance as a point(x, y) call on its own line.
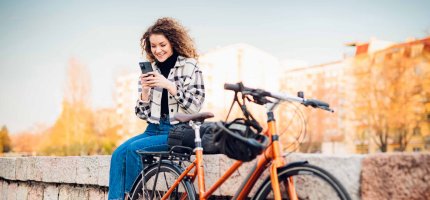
point(144, 95)
point(171, 88)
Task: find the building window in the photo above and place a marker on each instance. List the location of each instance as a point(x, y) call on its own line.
point(416, 149)
point(397, 149)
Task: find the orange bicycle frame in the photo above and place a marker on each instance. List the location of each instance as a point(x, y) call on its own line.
point(271, 157)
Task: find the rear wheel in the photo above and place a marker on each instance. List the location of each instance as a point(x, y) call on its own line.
point(310, 182)
point(157, 180)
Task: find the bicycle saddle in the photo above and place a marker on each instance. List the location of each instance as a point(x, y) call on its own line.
point(198, 117)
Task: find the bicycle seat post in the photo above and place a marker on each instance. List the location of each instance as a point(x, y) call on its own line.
point(199, 157)
point(198, 139)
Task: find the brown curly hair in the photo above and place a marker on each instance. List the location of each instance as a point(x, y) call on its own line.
point(174, 32)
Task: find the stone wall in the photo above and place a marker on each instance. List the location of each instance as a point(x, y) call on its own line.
point(378, 176)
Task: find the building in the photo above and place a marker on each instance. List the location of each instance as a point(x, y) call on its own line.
point(232, 64)
point(327, 132)
point(125, 97)
point(335, 83)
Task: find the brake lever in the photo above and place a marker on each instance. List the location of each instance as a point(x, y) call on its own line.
point(262, 100)
point(326, 108)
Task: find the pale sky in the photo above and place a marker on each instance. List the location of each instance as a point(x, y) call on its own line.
point(37, 38)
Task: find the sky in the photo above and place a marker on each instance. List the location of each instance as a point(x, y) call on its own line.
point(38, 38)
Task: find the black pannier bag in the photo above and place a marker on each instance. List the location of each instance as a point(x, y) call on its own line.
point(183, 135)
point(239, 140)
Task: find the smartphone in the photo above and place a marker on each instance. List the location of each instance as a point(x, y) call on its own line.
point(145, 67)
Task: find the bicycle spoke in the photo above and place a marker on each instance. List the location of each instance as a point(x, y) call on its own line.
point(161, 179)
point(310, 182)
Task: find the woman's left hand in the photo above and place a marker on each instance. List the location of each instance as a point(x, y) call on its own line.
point(155, 79)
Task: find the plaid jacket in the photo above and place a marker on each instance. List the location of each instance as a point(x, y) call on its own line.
point(189, 97)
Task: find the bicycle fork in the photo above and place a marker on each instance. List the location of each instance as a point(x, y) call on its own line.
point(277, 160)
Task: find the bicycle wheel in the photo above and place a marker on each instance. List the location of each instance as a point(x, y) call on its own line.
point(144, 189)
point(310, 182)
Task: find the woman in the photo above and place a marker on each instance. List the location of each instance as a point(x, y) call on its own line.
point(175, 86)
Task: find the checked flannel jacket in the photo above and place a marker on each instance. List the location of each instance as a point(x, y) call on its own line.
point(189, 97)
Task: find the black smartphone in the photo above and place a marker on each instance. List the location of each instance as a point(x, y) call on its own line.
point(145, 67)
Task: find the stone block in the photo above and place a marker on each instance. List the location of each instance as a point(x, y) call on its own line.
point(346, 169)
point(103, 170)
point(396, 176)
point(12, 189)
point(31, 168)
point(35, 192)
point(106, 195)
point(1, 189)
point(20, 168)
point(50, 193)
point(22, 192)
point(7, 168)
point(58, 169)
point(27, 168)
point(95, 194)
point(72, 193)
point(3, 192)
point(64, 192)
point(87, 170)
point(231, 186)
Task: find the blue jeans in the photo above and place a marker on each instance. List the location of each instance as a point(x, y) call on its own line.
point(126, 164)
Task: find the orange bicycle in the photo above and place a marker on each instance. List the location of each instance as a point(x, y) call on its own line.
point(167, 177)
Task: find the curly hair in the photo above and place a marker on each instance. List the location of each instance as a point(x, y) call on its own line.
point(175, 33)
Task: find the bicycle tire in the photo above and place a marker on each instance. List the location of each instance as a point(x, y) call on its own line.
point(167, 175)
point(311, 182)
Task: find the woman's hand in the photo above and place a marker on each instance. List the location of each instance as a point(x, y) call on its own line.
point(155, 79)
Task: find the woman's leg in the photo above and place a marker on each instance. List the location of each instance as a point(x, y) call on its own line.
point(156, 142)
point(117, 167)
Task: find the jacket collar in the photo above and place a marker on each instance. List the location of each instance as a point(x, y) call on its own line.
point(180, 62)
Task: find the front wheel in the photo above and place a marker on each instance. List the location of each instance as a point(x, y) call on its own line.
point(157, 179)
point(310, 182)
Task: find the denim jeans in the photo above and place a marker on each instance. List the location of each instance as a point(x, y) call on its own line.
point(126, 164)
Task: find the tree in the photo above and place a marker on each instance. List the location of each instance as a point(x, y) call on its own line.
point(389, 92)
point(72, 133)
point(79, 130)
point(5, 142)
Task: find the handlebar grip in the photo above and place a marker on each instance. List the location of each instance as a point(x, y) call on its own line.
point(315, 103)
point(235, 87)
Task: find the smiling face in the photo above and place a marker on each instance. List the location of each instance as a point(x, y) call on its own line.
point(160, 47)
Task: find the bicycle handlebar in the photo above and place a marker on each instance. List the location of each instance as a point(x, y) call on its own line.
point(261, 94)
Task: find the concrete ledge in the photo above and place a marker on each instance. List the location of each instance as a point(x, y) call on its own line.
point(87, 170)
point(379, 176)
point(346, 169)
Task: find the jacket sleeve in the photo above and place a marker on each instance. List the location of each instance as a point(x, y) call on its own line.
point(143, 108)
point(190, 96)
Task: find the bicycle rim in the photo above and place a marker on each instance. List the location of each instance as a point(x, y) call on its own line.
point(310, 182)
point(144, 187)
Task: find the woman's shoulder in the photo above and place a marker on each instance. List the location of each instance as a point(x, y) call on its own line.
point(184, 61)
point(188, 65)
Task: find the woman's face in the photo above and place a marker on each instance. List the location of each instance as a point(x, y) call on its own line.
point(160, 47)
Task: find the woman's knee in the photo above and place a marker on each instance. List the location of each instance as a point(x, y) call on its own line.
point(119, 153)
point(132, 150)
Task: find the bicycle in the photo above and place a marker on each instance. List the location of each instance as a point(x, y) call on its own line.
point(167, 178)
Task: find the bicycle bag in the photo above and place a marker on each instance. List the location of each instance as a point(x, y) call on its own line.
point(239, 140)
point(183, 135)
